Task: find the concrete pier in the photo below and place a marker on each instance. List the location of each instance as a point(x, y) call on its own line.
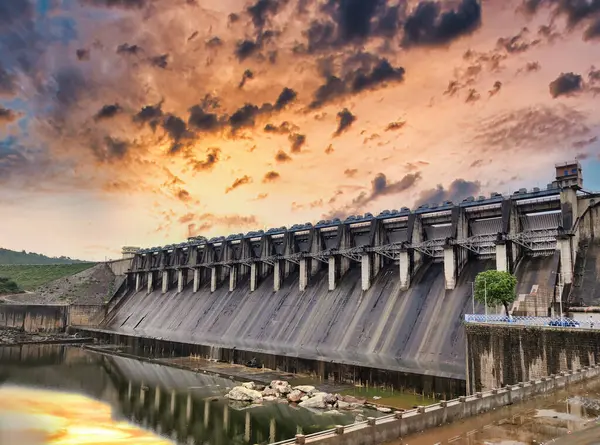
point(253, 277)
point(180, 281)
point(303, 282)
point(150, 282)
point(277, 275)
point(138, 282)
point(566, 259)
point(404, 265)
point(450, 267)
point(213, 279)
point(365, 271)
point(165, 281)
point(501, 257)
point(196, 280)
point(233, 274)
point(331, 272)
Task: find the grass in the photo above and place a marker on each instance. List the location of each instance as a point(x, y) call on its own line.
point(28, 277)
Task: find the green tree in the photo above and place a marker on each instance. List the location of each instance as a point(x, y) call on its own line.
point(496, 287)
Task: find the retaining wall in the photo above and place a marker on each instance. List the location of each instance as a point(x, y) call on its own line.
point(34, 318)
point(86, 314)
point(388, 428)
point(501, 354)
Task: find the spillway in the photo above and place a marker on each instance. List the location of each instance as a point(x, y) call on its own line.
point(416, 331)
point(586, 285)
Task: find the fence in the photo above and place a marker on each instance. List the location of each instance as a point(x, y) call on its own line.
point(400, 424)
point(555, 322)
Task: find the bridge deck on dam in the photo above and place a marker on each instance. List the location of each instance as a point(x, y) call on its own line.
point(417, 331)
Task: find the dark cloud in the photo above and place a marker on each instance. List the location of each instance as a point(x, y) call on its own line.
point(160, 61)
point(82, 54)
point(203, 121)
point(8, 84)
point(372, 73)
point(246, 48)
point(126, 48)
point(565, 85)
point(244, 180)
point(111, 150)
point(458, 190)
point(495, 88)
point(329, 149)
point(283, 128)
point(150, 114)
point(345, 120)
point(592, 32)
point(108, 111)
point(472, 96)
point(244, 117)
point(286, 97)
point(177, 131)
point(281, 156)
point(261, 10)
point(7, 116)
point(429, 25)
point(212, 157)
point(576, 12)
point(124, 4)
point(214, 42)
point(271, 176)
point(248, 75)
point(584, 143)
point(594, 75)
point(393, 126)
point(297, 141)
point(518, 43)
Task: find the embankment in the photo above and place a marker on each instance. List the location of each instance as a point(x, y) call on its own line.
point(416, 331)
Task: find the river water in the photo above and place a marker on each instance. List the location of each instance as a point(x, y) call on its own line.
point(183, 406)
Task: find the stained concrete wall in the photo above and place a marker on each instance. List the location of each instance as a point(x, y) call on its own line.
point(86, 314)
point(34, 318)
point(499, 355)
point(119, 267)
point(414, 331)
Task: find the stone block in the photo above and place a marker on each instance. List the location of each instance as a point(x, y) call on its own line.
point(339, 429)
point(300, 439)
point(371, 421)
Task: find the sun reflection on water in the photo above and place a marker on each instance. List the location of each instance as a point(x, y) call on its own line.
point(40, 417)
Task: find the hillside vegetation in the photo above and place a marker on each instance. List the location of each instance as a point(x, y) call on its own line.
point(14, 257)
point(30, 277)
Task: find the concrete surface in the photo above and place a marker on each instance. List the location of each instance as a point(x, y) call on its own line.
point(418, 331)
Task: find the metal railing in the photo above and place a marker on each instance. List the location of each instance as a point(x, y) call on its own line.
point(554, 322)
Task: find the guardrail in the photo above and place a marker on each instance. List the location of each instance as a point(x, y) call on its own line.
point(555, 322)
point(401, 423)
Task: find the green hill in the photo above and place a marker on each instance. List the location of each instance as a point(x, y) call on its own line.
point(13, 257)
point(29, 277)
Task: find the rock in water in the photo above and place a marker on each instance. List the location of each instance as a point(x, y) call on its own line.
point(281, 387)
point(305, 388)
point(249, 385)
point(242, 394)
point(295, 396)
point(317, 401)
point(383, 409)
point(270, 392)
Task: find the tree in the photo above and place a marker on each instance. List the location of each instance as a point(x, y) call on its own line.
point(496, 287)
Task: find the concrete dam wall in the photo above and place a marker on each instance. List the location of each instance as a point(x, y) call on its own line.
point(417, 331)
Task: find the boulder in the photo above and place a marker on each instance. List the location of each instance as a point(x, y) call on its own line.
point(249, 385)
point(330, 399)
point(305, 388)
point(314, 402)
point(269, 398)
point(351, 399)
point(270, 392)
point(242, 394)
point(344, 405)
point(383, 409)
point(305, 398)
point(281, 387)
point(295, 396)
point(259, 387)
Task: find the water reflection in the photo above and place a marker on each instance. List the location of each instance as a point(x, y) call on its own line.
point(177, 404)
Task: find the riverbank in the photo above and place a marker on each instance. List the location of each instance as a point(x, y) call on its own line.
point(15, 337)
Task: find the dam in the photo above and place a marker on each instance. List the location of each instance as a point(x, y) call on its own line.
point(377, 299)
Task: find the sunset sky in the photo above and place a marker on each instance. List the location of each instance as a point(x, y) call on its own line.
point(143, 122)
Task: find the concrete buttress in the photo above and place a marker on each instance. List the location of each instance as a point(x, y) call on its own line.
point(365, 269)
point(450, 267)
point(303, 274)
point(501, 257)
point(213, 279)
point(331, 272)
point(165, 281)
point(196, 280)
point(253, 277)
point(180, 281)
point(150, 282)
point(233, 275)
point(404, 265)
point(277, 275)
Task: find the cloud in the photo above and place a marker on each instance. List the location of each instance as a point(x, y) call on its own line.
point(329, 149)
point(345, 120)
point(472, 96)
point(456, 192)
point(82, 54)
point(393, 126)
point(428, 25)
point(8, 81)
point(183, 195)
point(125, 4)
point(7, 116)
point(271, 176)
point(111, 150)
point(248, 75)
point(160, 61)
point(212, 157)
point(593, 31)
point(495, 88)
point(364, 71)
point(518, 43)
point(565, 85)
point(281, 156)
point(239, 182)
point(350, 172)
point(108, 111)
point(283, 128)
point(297, 141)
point(207, 221)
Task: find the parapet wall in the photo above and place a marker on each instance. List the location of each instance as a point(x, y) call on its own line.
point(49, 318)
point(384, 429)
point(499, 355)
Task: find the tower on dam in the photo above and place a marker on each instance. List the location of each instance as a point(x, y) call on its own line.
point(385, 292)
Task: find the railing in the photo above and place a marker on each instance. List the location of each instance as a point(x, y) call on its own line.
point(555, 322)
